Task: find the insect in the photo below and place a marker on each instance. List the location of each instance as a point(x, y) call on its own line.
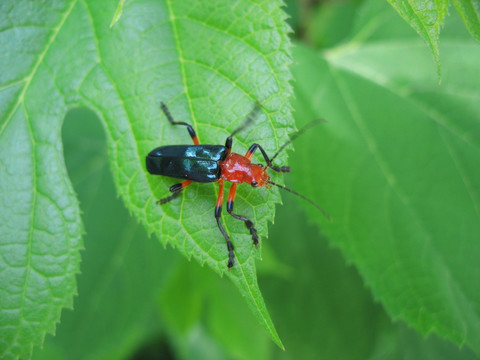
point(217, 163)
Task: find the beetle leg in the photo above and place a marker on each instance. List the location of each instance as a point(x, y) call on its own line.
point(254, 148)
point(175, 189)
point(218, 213)
point(191, 132)
point(248, 223)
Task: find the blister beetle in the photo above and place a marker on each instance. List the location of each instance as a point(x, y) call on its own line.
point(217, 163)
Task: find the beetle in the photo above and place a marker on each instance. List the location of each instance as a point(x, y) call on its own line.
point(217, 163)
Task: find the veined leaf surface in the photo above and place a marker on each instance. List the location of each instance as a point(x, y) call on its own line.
point(209, 61)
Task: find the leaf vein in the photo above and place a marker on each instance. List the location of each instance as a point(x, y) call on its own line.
point(39, 61)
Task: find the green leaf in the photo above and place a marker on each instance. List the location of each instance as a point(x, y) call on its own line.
point(199, 301)
point(330, 23)
point(396, 166)
point(118, 13)
point(40, 228)
point(210, 63)
point(469, 10)
point(326, 309)
point(426, 17)
point(122, 269)
point(339, 319)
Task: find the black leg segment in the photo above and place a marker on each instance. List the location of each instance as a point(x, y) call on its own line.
point(169, 198)
point(254, 148)
point(191, 132)
point(248, 223)
point(176, 190)
point(218, 214)
point(231, 255)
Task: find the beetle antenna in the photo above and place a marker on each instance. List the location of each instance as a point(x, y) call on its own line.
point(322, 210)
point(251, 116)
point(293, 137)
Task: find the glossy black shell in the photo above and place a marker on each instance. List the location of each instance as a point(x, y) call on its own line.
point(198, 163)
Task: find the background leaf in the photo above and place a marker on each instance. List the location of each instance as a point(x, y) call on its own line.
point(469, 10)
point(338, 317)
point(426, 17)
point(398, 166)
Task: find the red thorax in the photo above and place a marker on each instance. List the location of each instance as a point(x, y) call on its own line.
point(238, 169)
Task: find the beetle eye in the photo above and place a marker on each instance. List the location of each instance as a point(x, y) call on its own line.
point(254, 184)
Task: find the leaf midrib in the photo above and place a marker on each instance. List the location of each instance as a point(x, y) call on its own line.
point(181, 60)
